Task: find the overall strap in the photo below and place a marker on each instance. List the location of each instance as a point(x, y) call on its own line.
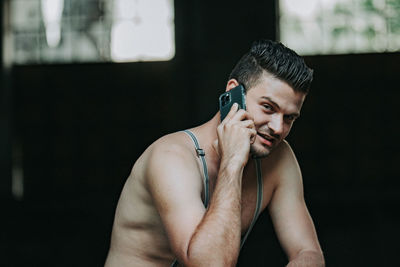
point(201, 154)
point(259, 200)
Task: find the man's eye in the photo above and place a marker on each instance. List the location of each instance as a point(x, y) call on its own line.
point(267, 107)
point(290, 118)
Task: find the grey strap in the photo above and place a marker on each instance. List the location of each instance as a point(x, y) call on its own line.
point(200, 153)
point(175, 263)
point(259, 200)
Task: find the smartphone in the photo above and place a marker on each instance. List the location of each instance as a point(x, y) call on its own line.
point(226, 100)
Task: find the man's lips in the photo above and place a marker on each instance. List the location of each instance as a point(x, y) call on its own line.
point(266, 139)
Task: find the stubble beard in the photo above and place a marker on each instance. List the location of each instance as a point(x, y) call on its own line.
point(259, 152)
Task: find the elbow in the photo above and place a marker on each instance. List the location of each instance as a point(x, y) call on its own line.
point(312, 258)
point(318, 257)
point(197, 256)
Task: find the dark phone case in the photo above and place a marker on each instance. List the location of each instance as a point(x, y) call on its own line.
point(226, 100)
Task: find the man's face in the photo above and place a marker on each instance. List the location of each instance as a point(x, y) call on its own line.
point(274, 106)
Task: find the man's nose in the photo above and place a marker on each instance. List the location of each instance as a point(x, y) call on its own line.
point(276, 124)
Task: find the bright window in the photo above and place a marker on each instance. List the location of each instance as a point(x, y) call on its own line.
point(312, 27)
point(63, 31)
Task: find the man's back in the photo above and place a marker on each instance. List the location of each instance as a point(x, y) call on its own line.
point(138, 236)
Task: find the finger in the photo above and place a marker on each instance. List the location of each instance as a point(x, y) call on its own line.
point(249, 127)
point(253, 135)
point(232, 112)
point(247, 124)
point(241, 115)
point(249, 116)
point(216, 147)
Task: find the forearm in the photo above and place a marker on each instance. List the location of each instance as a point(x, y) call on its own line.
point(216, 241)
point(308, 259)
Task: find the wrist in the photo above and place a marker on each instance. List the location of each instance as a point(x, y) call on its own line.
point(231, 168)
point(234, 162)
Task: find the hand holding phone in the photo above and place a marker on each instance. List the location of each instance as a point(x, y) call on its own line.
point(236, 134)
point(226, 100)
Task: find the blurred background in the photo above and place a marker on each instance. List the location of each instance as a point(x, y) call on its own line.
point(87, 85)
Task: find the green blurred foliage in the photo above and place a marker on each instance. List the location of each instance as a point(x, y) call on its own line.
point(390, 13)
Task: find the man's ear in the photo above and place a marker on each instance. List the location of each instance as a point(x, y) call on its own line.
point(232, 83)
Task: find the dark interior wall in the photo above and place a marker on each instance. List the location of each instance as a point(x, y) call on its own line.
point(82, 126)
point(347, 146)
point(222, 32)
point(5, 129)
point(63, 112)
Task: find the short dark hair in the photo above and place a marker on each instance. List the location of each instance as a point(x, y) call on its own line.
point(278, 60)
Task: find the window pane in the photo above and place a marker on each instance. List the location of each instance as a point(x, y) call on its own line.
point(340, 26)
point(47, 31)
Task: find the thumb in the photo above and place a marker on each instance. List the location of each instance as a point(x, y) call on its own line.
point(216, 146)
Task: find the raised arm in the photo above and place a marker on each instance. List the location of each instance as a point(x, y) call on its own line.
point(290, 216)
point(200, 237)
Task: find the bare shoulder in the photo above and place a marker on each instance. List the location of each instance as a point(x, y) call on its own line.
point(171, 160)
point(172, 148)
point(169, 145)
point(285, 152)
point(282, 159)
point(281, 166)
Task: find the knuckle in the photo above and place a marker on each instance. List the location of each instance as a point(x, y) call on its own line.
point(227, 126)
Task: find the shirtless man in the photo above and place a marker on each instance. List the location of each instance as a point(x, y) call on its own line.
point(161, 218)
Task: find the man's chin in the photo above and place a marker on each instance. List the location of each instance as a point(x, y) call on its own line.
point(259, 152)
